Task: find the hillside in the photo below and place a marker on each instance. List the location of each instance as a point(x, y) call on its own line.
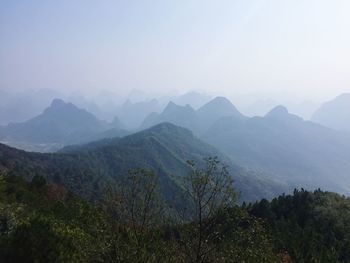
point(308, 226)
point(184, 116)
point(290, 150)
point(301, 153)
point(196, 120)
point(165, 149)
point(132, 114)
point(335, 113)
point(43, 222)
point(60, 124)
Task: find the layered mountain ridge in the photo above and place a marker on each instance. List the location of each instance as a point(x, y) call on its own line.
point(164, 149)
point(335, 113)
point(58, 125)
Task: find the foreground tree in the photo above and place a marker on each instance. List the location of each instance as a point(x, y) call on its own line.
point(208, 192)
point(138, 206)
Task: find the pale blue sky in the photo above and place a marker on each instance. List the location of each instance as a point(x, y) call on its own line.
point(221, 46)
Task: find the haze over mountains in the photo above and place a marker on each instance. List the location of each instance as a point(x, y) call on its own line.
point(165, 149)
point(266, 156)
point(298, 152)
point(280, 149)
point(60, 124)
point(301, 152)
point(196, 120)
point(175, 131)
point(335, 113)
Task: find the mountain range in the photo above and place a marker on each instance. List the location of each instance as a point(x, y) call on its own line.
point(277, 149)
point(299, 153)
point(165, 149)
point(195, 120)
point(303, 153)
point(58, 125)
point(335, 113)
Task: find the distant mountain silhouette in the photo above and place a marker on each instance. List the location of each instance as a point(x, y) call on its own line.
point(297, 152)
point(132, 114)
point(303, 153)
point(216, 109)
point(184, 116)
point(335, 113)
point(193, 98)
point(195, 120)
point(60, 124)
point(21, 106)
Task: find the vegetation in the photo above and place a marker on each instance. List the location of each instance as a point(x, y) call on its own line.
point(310, 226)
point(164, 149)
point(92, 204)
point(43, 222)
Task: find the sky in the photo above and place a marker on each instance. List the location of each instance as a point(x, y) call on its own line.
point(280, 48)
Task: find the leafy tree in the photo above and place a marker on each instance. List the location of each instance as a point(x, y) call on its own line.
point(136, 202)
point(208, 191)
point(34, 227)
point(308, 226)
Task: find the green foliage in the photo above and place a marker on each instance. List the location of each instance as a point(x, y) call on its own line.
point(243, 238)
point(207, 191)
point(41, 222)
point(35, 226)
point(164, 149)
point(311, 227)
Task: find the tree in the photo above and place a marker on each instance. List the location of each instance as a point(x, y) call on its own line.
point(139, 201)
point(137, 204)
point(208, 191)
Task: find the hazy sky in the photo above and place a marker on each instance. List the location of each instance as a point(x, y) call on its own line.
point(292, 47)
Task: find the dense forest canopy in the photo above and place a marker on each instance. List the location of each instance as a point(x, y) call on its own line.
point(43, 222)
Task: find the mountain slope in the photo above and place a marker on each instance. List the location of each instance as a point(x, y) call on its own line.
point(164, 149)
point(335, 114)
point(196, 120)
point(60, 124)
point(193, 98)
point(184, 116)
point(132, 114)
point(301, 153)
point(216, 109)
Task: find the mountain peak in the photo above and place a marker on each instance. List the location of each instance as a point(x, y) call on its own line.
point(278, 111)
point(220, 99)
point(171, 104)
point(343, 96)
point(219, 107)
point(335, 113)
point(167, 126)
point(171, 107)
point(281, 113)
point(57, 103)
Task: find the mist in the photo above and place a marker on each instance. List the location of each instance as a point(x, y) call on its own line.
point(186, 131)
point(288, 52)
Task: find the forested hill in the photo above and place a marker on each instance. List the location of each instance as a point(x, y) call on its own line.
point(310, 226)
point(164, 149)
point(294, 151)
point(42, 222)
